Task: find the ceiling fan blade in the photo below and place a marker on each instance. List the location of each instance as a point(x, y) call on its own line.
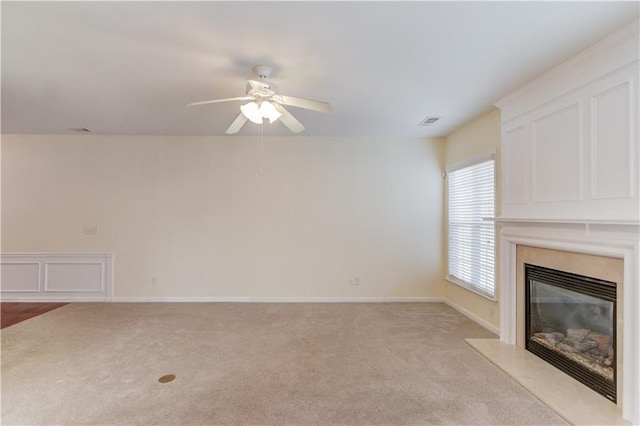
point(237, 124)
point(289, 120)
point(304, 103)
point(215, 101)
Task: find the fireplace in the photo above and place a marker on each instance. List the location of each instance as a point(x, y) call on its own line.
point(570, 322)
point(607, 252)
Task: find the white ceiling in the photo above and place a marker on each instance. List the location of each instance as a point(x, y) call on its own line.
point(131, 67)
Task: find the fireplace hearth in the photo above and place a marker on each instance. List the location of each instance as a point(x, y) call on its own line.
point(570, 323)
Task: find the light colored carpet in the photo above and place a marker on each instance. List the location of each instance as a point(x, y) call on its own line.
point(378, 363)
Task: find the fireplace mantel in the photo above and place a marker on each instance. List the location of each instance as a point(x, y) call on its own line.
point(586, 222)
point(588, 225)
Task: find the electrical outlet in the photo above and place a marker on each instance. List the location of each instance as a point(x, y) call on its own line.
point(154, 280)
point(354, 281)
point(90, 230)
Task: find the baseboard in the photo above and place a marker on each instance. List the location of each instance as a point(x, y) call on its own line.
point(146, 299)
point(473, 317)
point(79, 299)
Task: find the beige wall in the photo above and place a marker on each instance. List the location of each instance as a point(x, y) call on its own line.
point(195, 213)
point(477, 137)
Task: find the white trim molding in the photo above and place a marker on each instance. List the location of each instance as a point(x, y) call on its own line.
point(608, 240)
point(56, 277)
point(473, 317)
point(56, 299)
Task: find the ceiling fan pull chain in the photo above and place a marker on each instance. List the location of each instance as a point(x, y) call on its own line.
point(261, 152)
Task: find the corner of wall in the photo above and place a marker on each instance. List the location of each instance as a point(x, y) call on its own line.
point(480, 135)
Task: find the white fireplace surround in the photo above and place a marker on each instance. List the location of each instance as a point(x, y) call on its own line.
point(619, 240)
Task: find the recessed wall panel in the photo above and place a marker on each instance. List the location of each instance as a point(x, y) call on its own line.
point(515, 168)
point(557, 156)
point(19, 277)
point(612, 152)
point(73, 277)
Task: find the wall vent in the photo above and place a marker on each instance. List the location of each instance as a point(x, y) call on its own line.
point(429, 121)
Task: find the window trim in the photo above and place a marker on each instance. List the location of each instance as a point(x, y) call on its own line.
point(478, 158)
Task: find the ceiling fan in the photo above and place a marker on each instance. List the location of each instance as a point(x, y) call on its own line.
point(266, 103)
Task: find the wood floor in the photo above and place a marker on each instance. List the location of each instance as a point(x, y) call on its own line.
point(13, 313)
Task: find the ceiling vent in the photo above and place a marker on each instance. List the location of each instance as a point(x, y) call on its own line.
point(429, 121)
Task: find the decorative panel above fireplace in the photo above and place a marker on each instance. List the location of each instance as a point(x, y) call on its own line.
point(570, 137)
point(571, 323)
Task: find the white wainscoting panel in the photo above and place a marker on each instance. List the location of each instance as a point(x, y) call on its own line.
point(56, 277)
point(557, 155)
point(73, 277)
point(515, 156)
point(20, 277)
point(612, 145)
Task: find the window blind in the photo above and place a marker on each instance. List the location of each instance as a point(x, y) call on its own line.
point(471, 193)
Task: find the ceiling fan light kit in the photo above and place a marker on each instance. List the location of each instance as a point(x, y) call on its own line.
point(256, 113)
point(252, 112)
point(269, 111)
point(265, 103)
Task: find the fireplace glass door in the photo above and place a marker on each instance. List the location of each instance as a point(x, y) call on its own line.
point(570, 323)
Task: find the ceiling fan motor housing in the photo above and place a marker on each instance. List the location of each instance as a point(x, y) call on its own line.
point(260, 93)
point(263, 71)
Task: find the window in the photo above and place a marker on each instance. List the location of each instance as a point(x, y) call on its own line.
point(471, 197)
